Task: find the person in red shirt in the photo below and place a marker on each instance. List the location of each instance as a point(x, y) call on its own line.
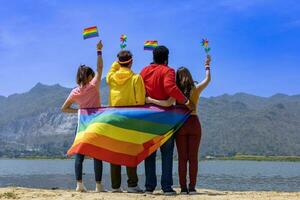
point(159, 80)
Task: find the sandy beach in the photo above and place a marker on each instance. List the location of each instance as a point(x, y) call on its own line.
point(28, 193)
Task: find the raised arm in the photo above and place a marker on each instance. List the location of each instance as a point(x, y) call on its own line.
point(99, 63)
point(201, 86)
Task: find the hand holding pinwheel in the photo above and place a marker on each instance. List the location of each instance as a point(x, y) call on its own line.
point(208, 60)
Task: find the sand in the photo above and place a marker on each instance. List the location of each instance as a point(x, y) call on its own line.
point(28, 193)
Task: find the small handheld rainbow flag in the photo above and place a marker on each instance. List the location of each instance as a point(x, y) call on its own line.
point(90, 32)
point(150, 45)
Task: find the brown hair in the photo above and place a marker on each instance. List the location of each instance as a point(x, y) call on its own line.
point(83, 74)
point(125, 58)
point(184, 81)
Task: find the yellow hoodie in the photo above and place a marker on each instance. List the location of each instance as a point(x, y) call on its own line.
point(126, 88)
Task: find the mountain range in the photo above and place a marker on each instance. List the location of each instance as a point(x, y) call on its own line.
point(31, 124)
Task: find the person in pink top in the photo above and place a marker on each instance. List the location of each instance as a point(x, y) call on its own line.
point(86, 95)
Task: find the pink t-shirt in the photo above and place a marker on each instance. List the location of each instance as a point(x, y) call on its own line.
point(87, 96)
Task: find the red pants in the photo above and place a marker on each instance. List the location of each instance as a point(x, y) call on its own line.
point(187, 142)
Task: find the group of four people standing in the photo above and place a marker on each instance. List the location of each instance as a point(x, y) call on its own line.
point(157, 84)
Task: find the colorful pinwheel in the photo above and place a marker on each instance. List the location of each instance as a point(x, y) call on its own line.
point(123, 40)
point(205, 45)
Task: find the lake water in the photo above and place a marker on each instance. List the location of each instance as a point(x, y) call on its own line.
point(220, 175)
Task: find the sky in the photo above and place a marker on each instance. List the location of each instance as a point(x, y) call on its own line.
point(254, 44)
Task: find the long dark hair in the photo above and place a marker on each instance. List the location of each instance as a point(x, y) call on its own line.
point(184, 81)
point(83, 74)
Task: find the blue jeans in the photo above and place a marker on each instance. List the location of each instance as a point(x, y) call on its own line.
point(167, 167)
point(78, 168)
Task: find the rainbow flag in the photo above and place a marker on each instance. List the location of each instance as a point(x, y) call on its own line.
point(125, 135)
point(150, 45)
point(90, 32)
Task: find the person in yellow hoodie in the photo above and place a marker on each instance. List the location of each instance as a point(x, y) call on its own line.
point(126, 89)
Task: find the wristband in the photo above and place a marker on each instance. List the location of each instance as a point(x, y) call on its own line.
point(187, 102)
point(207, 68)
point(99, 52)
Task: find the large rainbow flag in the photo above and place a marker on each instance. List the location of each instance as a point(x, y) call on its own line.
point(125, 135)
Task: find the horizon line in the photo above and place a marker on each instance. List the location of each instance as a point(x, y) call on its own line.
point(103, 79)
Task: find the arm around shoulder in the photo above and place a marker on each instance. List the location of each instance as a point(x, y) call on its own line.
point(163, 103)
point(171, 88)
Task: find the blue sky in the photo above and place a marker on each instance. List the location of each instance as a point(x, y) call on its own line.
point(255, 44)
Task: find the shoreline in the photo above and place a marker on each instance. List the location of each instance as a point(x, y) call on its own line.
point(208, 158)
point(261, 158)
point(46, 194)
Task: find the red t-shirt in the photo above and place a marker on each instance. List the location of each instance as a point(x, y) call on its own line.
point(160, 83)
